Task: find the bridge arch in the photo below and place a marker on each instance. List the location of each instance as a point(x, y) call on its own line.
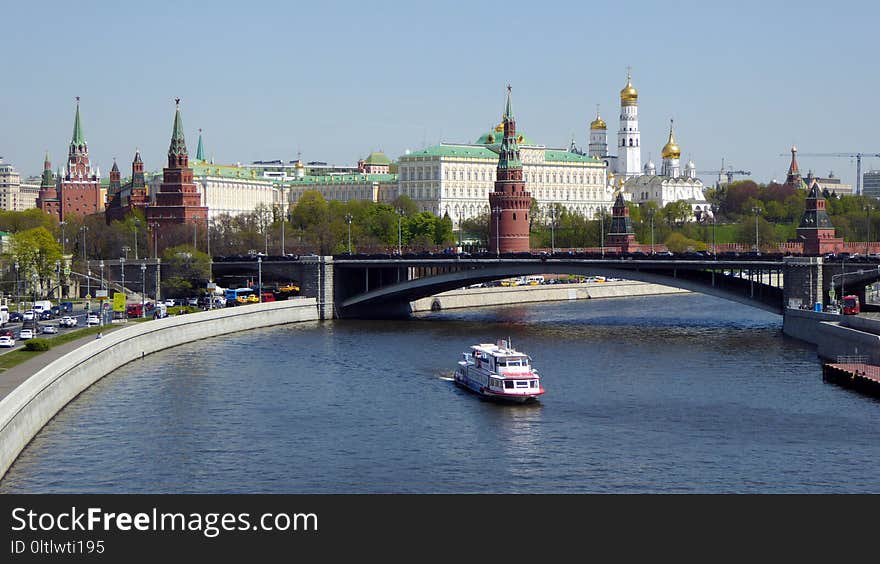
point(395, 298)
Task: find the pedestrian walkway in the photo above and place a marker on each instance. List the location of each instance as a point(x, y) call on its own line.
point(11, 378)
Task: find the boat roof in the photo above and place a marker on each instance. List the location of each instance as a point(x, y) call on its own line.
point(498, 351)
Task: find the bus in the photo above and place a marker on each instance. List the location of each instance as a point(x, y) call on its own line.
point(851, 305)
point(235, 296)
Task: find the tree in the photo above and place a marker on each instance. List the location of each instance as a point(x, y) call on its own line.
point(184, 269)
point(676, 213)
point(36, 252)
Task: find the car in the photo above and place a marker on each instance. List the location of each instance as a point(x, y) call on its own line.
point(16, 316)
point(92, 319)
point(7, 341)
point(192, 302)
point(44, 315)
point(170, 303)
point(7, 333)
point(50, 329)
point(287, 288)
point(26, 334)
point(28, 315)
point(68, 321)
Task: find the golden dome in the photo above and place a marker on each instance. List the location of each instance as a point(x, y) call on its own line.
point(598, 123)
point(629, 96)
point(671, 149)
point(299, 164)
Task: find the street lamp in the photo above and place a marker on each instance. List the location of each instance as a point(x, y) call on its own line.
point(756, 210)
point(122, 273)
point(348, 219)
point(101, 265)
point(460, 221)
point(553, 215)
point(58, 274)
point(399, 232)
point(868, 223)
point(602, 230)
point(16, 280)
point(714, 209)
point(155, 226)
point(260, 279)
point(497, 212)
point(284, 220)
point(136, 224)
point(125, 249)
point(83, 230)
point(143, 288)
point(62, 224)
point(651, 212)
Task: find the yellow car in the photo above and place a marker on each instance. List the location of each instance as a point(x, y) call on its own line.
point(289, 288)
point(249, 299)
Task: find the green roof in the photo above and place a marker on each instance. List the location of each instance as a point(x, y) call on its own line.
point(342, 179)
point(178, 144)
point(78, 137)
point(569, 157)
point(494, 137)
point(377, 158)
point(225, 171)
point(489, 152)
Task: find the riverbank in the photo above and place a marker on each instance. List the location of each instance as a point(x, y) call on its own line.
point(501, 295)
point(73, 367)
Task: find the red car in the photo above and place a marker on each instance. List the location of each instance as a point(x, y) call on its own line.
point(851, 305)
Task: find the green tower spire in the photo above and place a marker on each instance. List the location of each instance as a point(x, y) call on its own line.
point(509, 154)
point(78, 137)
point(178, 143)
point(200, 151)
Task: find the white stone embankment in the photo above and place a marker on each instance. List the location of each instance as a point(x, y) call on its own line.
point(27, 408)
point(835, 335)
point(501, 295)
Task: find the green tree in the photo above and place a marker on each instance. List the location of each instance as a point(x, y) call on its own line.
point(185, 270)
point(36, 252)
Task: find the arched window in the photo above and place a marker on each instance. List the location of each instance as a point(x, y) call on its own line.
point(514, 216)
point(630, 142)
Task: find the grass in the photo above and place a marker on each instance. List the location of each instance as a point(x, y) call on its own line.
point(16, 357)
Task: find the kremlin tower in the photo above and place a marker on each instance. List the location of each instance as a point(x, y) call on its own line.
point(178, 199)
point(621, 234)
point(815, 229)
point(78, 190)
point(509, 204)
point(794, 179)
point(47, 199)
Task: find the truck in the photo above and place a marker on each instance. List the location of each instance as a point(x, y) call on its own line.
point(4, 313)
point(851, 305)
point(42, 305)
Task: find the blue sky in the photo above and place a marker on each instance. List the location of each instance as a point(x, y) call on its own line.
point(743, 80)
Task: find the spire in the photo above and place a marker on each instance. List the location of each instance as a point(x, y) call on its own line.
point(47, 164)
point(793, 168)
point(78, 138)
point(115, 167)
point(178, 143)
point(137, 156)
point(508, 108)
point(200, 151)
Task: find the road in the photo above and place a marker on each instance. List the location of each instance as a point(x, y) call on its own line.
point(79, 313)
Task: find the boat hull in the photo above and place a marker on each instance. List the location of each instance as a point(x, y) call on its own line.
point(462, 381)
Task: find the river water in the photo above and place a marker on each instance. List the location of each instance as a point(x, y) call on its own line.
point(680, 393)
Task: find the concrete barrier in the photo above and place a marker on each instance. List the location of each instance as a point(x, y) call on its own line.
point(834, 335)
point(501, 295)
point(27, 408)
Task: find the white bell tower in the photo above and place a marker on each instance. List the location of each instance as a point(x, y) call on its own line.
point(629, 150)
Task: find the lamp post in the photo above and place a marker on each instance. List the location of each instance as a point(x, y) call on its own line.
point(714, 209)
point(497, 212)
point(756, 210)
point(34, 306)
point(868, 223)
point(137, 223)
point(460, 221)
point(399, 232)
point(260, 278)
point(83, 230)
point(158, 278)
point(58, 274)
point(88, 281)
point(62, 224)
point(122, 272)
point(284, 220)
point(553, 214)
point(155, 227)
point(125, 249)
point(16, 280)
point(143, 287)
point(602, 230)
point(101, 265)
point(651, 213)
point(348, 219)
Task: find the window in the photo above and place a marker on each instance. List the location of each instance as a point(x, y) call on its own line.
point(508, 384)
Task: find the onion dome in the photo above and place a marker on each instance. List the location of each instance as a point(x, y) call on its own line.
point(671, 150)
point(598, 123)
point(629, 96)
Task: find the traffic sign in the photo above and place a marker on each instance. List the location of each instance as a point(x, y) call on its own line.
point(118, 301)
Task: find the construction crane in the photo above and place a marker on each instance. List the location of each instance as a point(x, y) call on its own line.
point(728, 173)
point(856, 156)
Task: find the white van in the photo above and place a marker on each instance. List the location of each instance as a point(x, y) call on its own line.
point(4, 315)
point(42, 305)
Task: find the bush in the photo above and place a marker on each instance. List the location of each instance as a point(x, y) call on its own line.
point(37, 345)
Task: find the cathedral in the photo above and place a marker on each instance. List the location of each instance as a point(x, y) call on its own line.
point(644, 184)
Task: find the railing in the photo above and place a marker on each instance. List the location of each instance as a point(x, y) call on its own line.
point(852, 359)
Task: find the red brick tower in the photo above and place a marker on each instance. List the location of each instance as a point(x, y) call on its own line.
point(79, 190)
point(47, 198)
point(509, 203)
point(621, 234)
point(815, 229)
point(178, 200)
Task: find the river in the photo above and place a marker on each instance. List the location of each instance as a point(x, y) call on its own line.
point(682, 393)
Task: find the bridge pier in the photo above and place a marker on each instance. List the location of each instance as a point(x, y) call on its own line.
point(804, 282)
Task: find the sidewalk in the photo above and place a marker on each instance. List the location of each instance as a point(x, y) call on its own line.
point(10, 379)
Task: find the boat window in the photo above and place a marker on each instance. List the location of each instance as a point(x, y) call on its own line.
point(534, 383)
point(522, 383)
point(508, 384)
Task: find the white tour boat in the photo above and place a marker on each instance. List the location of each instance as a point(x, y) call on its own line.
point(499, 372)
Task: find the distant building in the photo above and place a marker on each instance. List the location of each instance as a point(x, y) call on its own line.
point(793, 179)
point(871, 183)
point(831, 186)
point(16, 194)
point(122, 199)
